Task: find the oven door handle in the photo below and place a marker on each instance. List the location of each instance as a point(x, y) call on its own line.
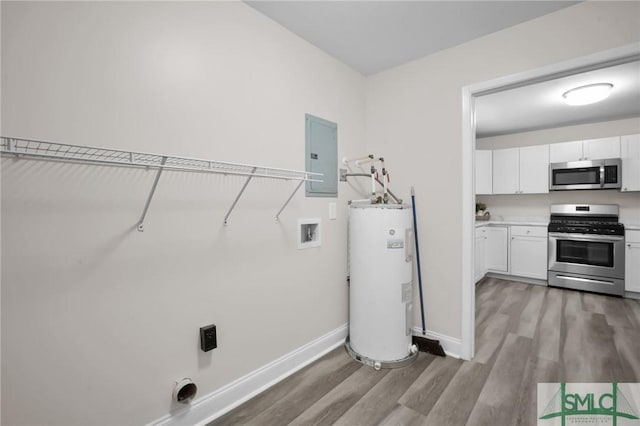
point(587, 237)
point(584, 280)
point(602, 176)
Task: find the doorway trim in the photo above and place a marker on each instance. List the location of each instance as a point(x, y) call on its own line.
point(593, 61)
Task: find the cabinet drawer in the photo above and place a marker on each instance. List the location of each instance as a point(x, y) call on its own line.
point(632, 236)
point(529, 231)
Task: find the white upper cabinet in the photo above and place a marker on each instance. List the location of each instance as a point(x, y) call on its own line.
point(630, 154)
point(565, 151)
point(521, 170)
point(599, 149)
point(506, 171)
point(591, 149)
point(534, 169)
point(484, 172)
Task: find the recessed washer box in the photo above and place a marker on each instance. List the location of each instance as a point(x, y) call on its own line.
point(309, 233)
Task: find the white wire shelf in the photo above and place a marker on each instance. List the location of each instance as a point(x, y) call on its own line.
point(53, 151)
point(94, 155)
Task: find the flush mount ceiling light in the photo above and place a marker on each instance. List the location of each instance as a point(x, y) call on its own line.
point(589, 94)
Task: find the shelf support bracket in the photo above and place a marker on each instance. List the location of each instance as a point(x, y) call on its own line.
point(286, 203)
point(153, 190)
point(239, 195)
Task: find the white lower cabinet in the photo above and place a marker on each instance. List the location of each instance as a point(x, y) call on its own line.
point(528, 251)
point(632, 261)
point(481, 252)
point(521, 251)
point(524, 255)
point(497, 249)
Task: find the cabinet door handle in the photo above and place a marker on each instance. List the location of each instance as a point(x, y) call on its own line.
point(602, 176)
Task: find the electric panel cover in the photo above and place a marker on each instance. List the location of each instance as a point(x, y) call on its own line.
point(321, 141)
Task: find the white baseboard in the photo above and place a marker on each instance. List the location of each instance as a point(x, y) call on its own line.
point(209, 407)
point(516, 278)
point(451, 345)
point(632, 295)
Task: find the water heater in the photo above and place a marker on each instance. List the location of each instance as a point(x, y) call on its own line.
point(381, 288)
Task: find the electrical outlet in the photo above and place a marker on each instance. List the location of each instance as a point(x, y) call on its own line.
point(208, 338)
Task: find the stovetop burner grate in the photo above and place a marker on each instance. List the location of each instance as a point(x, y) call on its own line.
point(586, 227)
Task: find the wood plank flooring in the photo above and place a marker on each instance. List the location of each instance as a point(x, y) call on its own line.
point(525, 334)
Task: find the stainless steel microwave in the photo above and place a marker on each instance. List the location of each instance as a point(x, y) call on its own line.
point(595, 174)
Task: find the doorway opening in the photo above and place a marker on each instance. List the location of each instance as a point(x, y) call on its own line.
point(470, 94)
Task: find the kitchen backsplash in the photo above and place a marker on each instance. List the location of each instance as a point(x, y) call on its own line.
point(537, 205)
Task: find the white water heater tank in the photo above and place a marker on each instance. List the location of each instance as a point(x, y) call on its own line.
point(381, 288)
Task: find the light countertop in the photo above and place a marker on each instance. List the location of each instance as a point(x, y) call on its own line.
point(534, 221)
point(514, 221)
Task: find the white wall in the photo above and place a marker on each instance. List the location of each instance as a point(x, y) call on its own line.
point(99, 320)
point(603, 129)
point(538, 204)
point(414, 116)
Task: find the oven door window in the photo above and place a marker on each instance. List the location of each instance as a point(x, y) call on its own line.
point(594, 253)
point(582, 176)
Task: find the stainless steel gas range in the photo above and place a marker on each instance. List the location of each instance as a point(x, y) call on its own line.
point(586, 248)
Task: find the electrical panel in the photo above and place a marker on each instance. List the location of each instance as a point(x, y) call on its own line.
point(321, 140)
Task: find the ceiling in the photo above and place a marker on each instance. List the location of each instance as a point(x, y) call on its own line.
point(373, 36)
point(540, 106)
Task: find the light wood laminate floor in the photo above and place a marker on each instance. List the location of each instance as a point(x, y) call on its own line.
point(525, 334)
